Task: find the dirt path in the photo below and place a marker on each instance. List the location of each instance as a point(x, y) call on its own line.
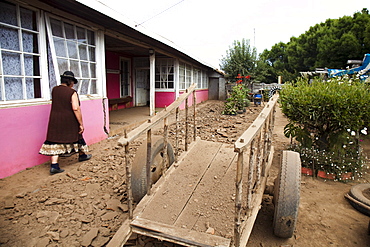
point(86, 204)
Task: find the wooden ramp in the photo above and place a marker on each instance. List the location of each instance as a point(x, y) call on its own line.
point(194, 203)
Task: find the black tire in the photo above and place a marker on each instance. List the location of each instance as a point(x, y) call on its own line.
point(138, 173)
point(359, 206)
point(357, 192)
point(287, 195)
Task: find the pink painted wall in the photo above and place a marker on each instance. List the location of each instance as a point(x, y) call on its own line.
point(201, 95)
point(163, 99)
point(113, 86)
point(23, 130)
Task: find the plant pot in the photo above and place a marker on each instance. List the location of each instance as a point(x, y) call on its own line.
point(346, 176)
point(323, 174)
point(306, 171)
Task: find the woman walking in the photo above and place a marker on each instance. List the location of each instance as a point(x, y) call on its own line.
point(65, 128)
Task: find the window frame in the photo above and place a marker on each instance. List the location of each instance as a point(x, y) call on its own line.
point(129, 76)
point(169, 63)
point(41, 56)
point(79, 61)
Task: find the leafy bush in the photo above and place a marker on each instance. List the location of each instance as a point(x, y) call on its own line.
point(238, 99)
point(327, 117)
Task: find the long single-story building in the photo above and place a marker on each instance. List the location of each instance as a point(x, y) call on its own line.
point(118, 65)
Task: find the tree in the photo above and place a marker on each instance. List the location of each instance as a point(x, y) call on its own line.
point(239, 59)
point(329, 44)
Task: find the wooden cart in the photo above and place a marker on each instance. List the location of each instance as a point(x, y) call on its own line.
point(211, 194)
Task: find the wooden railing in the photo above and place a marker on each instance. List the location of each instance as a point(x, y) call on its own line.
point(253, 148)
point(147, 128)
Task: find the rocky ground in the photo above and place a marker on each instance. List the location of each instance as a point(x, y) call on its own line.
point(85, 205)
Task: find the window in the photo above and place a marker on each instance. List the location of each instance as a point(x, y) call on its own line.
point(204, 79)
point(73, 48)
point(125, 77)
point(164, 74)
point(189, 75)
point(197, 78)
point(19, 53)
point(185, 75)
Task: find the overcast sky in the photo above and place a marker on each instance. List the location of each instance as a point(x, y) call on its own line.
point(207, 28)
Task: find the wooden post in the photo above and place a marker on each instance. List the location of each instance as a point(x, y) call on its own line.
point(148, 161)
point(194, 107)
point(165, 142)
point(186, 123)
point(266, 151)
point(238, 198)
point(177, 135)
point(152, 82)
point(128, 178)
point(259, 158)
point(250, 175)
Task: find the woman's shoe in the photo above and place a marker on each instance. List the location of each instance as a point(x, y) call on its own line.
point(55, 170)
point(84, 157)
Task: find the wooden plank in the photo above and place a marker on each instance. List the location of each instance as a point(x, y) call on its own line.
point(203, 211)
point(122, 235)
point(171, 233)
point(123, 100)
point(169, 201)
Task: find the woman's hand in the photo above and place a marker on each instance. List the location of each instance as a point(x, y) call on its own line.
point(81, 129)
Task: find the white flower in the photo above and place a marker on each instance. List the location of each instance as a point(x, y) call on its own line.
point(353, 133)
point(364, 132)
point(349, 130)
point(344, 146)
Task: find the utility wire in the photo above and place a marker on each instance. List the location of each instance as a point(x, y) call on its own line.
point(159, 13)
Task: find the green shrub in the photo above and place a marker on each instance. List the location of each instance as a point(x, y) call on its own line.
point(238, 99)
point(327, 117)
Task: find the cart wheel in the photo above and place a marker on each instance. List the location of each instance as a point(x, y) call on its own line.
point(138, 175)
point(287, 194)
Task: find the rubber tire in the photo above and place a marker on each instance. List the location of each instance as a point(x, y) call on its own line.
point(356, 192)
point(287, 195)
point(138, 173)
point(359, 206)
